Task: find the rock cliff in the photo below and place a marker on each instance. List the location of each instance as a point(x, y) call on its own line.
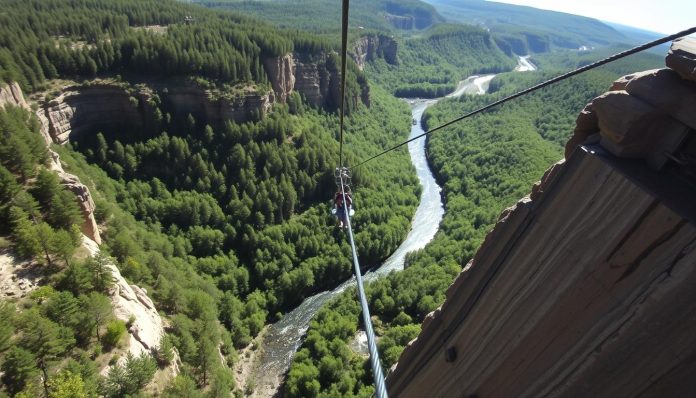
point(12, 94)
point(281, 72)
point(315, 76)
point(370, 47)
point(129, 301)
point(78, 110)
point(586, 287)
point(84, 199)
point(212, 109)
point(316, 82)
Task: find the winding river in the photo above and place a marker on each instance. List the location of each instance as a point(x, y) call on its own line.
point(283, 338)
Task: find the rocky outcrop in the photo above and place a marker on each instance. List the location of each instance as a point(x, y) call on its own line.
point(281, 72)
point(584, 288)
point(12, 94)
point(318, 79)
point(403, 22)
point(314, 80)
point(216, 108)
point(78, 110)
point(131, 304)
point(371, 47)
point(682, 57)
point(84, 199)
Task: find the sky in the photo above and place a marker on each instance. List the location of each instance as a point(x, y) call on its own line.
point(661, 16)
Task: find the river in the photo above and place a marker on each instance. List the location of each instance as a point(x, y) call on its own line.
point(282, 339)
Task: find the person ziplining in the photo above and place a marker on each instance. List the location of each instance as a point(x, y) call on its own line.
point(342, 175)
point(340, 211)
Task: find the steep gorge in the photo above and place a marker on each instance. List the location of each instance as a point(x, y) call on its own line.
point(584, 287)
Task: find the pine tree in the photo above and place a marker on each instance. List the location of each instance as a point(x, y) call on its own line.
point(64, 210)
point(7, 314)
point(77, 278)
point(45, 234)
point(18, 367)
point(45, 188)
point(25, 235)
point(102, 279)
point(63, 245)
point(8, 189)
point(45, 339)
point(96, 311)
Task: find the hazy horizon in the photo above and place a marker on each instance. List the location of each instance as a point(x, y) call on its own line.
point(665, 16)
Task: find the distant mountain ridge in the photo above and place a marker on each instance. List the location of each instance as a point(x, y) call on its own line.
point(538, 30)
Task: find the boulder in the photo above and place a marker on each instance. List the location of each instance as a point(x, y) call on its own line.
point(632, 128)
point(682, 57)
point(665, 90)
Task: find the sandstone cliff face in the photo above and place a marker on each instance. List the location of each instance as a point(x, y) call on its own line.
point(281, 72)
point(83, 109)
point(368, 48)
point(84, 199)
point(403, 22)
point(314, 76)
point(12, 94)
point(586, 287)
point(200, 103)
point(313, 80)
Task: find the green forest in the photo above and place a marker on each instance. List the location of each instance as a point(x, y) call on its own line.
point(219, 263)
point(321, 16)
point(432, 56)
point(47, 39)
point(484, 165)
point(234, 233)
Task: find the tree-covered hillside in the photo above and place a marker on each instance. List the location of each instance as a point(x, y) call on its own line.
point(46, 39)
point(322, 16)
point(67, 323)
point(235, 231)
point(431, 58)
point(526, 30)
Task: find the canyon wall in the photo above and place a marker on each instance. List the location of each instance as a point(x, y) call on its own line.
point(585, 288)
point(371, 47)
point(109, 106)
point(78, 110)
point(315, 76)
point(214, 109)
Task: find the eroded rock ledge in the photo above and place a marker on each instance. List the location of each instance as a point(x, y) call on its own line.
point(586, 287)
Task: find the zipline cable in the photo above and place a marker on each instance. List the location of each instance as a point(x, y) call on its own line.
point(539, 86)
point(380, 387)
point(344, 51)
